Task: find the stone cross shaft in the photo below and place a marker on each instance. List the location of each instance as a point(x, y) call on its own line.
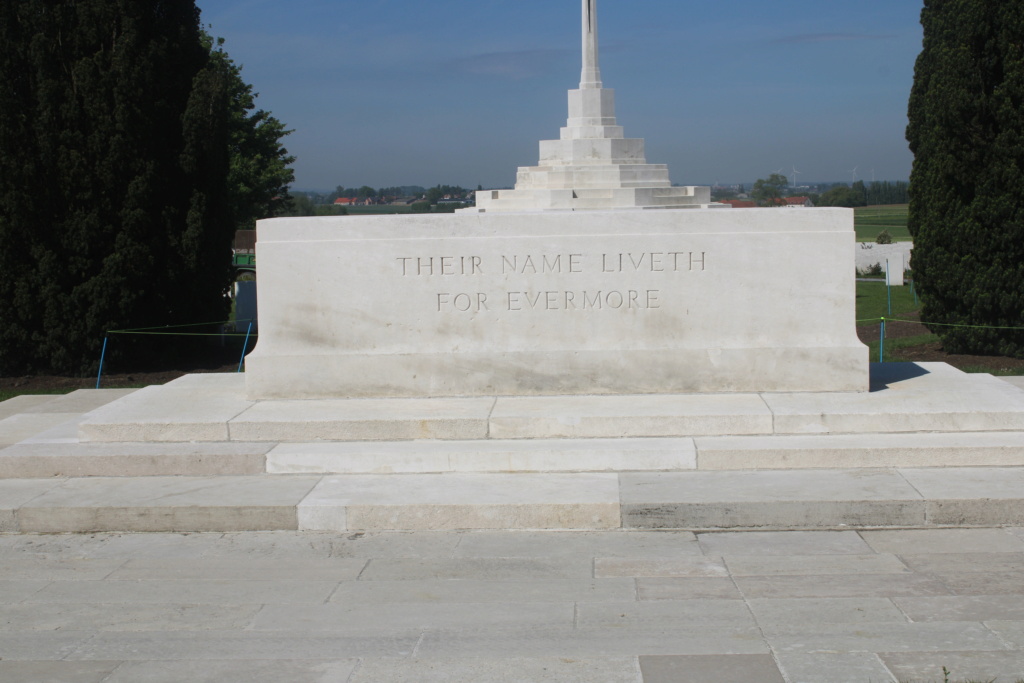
point(591, 76)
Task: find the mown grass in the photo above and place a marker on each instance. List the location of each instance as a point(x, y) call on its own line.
point(11, 393)
point(873, 301)
point(871, 220)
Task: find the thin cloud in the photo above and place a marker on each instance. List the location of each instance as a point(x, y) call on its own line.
point(517, 65)
point(830, 38)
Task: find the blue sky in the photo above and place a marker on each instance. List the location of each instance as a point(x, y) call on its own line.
point(403, 92)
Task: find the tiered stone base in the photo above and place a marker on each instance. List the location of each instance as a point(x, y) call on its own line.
point(928, 446)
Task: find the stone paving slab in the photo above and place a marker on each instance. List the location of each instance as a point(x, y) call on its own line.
point(165, 504)
point(57, 672)
point(791, 499)
point(256, 671)
point(38, 460)
point(905, 397)
point(16, 493)
point(704, 668)
point(23, 426)
point(582, 417)
point(1005, 667)
point(973, 449)
point(965, 495)
point(190, 408)
point(520, 669)
point(462, 501)
point(943, 541)
point(364, 420)
point(23, 404)
point(834, 667)
point(80, 401)
point(538, 455)
point(486, 593)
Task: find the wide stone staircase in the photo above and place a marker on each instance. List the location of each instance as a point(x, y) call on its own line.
point(928, 446)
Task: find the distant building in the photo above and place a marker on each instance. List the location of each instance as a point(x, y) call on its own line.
point(739, 203)
point(346, 201)
point(799, 202)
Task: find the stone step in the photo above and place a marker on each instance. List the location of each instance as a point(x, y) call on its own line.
point(41, 458)
point(905, 398)
point(804, 499)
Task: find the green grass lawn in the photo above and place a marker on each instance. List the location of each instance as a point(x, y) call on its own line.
point(871, 220)
point(873, 301)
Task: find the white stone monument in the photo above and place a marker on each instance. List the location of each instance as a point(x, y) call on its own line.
point(591, 165)
point(561, 286)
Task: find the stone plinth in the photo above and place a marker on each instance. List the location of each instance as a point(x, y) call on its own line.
point(532, 304)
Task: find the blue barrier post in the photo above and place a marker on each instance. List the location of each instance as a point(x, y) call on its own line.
point(103, 354)
point(888, 288)
point(881, 344)
point(245, 345)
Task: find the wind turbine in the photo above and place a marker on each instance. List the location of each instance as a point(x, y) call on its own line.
point(795, 174)
point(853, 173)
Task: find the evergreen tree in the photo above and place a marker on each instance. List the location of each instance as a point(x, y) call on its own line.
point(967, 134)
point(260, 167)
point(113, 160)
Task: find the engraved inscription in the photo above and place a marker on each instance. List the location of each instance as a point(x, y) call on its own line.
point(545, 266)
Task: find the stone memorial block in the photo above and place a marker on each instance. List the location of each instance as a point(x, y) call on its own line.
point(547, 303)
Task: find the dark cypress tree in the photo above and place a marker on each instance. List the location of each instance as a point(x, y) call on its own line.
point(966, 210)
point(113, 159)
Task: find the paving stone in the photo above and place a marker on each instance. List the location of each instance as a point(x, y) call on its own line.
point(487, 569)
point(41, 647)
point(834, 667)
point(1006, 667)
point(30, 568)
point(193, 592)
point(258, 671)
point(625, 544)
point(80, 401)
point(358, 593)
point(704, 668)
point(239, 645)
point(798, 498)
point(240, 569)
point(47, 459)
point(519, 669)
point(964, 608)
point(806, 615)
point(963, 496)
point(223, 503)
point(817, 565)
point(364, 420)
point(581, 417)
point(14, 493)
point(201, 406)
point(23, 404)
point(784, 543)
point(919, 397)
point(534, 455)
point(339, 617)
point(1011, 632)
point(847, 451)
point(12, 592)
point(122, 546)
point(984, 583)
point(673, 615)
point(35, 616)
point(934, 541)
point(394, 544)
point(686, 589)
point(890, 637)
point(57, 672)
point(592, 642)
point(965, 563)
point(23, 426)
point(682, 567)
point(846, 586)
point(462, 501)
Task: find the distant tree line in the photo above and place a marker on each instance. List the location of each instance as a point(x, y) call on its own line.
point(861, 194)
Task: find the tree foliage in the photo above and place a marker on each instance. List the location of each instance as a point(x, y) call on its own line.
point(260, 170)
point(967, 134)
point(841, 195)
point(115, 154)
point(768, 191)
